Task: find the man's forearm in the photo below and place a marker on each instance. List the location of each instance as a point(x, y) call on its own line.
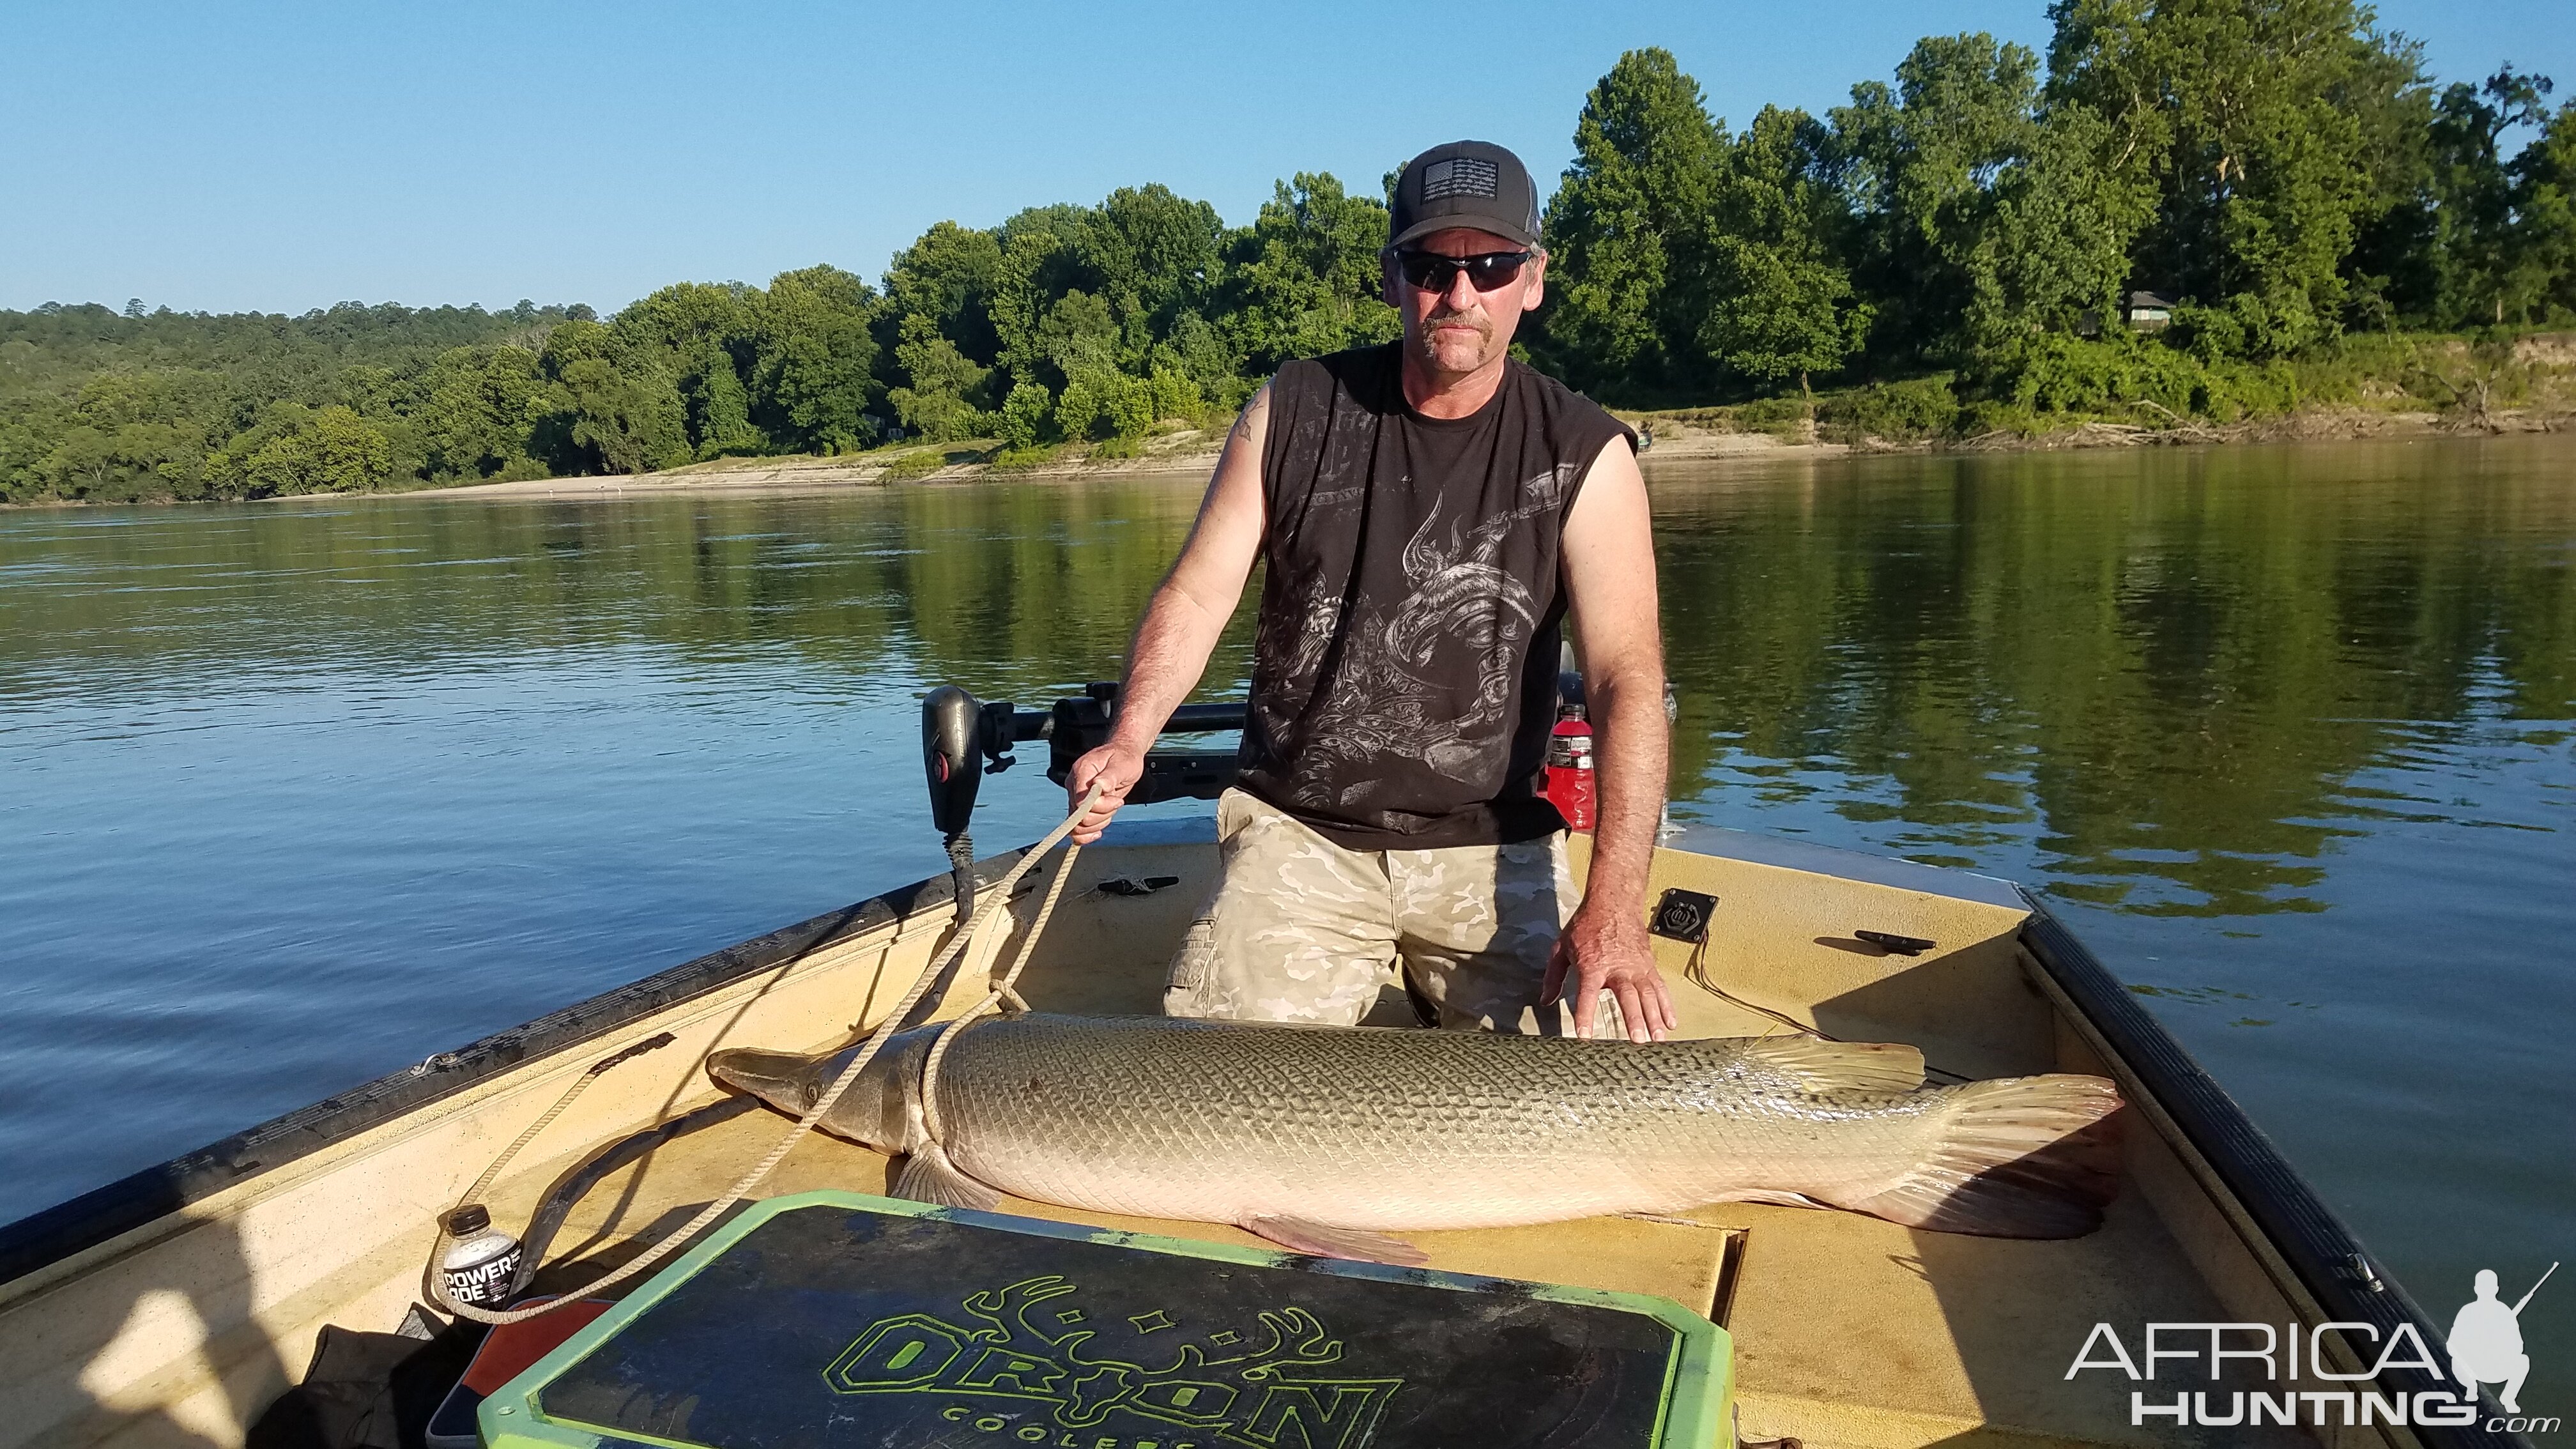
point(1170, 652)
point(1631, 749)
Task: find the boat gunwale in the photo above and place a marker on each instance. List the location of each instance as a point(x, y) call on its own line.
point(76, 1225)
point(2314, 1242)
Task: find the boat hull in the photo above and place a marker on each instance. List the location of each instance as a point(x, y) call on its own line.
point(175, 1306)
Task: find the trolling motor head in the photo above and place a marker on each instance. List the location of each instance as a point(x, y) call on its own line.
point(960, 739)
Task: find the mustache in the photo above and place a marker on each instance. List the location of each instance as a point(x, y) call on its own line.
point(1472, 317)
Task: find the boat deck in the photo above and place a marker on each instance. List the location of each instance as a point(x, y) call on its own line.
point(1848, 1331)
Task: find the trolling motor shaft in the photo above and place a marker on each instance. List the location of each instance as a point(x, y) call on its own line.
point(963, 739)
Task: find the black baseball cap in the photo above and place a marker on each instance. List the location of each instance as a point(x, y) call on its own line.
point(1474, 184)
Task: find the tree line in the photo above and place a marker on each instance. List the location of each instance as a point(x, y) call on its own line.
point(2281, 171)
point(1963, 246)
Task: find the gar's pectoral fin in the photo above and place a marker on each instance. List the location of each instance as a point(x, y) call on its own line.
point(928, 1176)
point(1326, 1241)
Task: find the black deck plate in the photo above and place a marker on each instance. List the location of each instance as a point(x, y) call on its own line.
point(833, 1326)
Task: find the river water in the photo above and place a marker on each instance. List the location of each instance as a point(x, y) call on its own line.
point(298, 793)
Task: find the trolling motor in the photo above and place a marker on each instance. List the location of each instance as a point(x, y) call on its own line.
point(963, 740)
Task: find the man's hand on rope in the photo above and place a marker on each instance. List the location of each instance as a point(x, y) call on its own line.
point(1115, 769)
point(1609, 951)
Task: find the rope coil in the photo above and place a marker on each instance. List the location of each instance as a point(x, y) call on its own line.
point(998, 899)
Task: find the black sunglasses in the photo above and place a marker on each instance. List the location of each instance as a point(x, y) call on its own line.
point(1433, 272)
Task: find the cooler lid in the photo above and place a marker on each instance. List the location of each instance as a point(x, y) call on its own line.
point(835, 1318)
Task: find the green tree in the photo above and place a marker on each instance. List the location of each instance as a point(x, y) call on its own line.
point(1082, 404)
point(295, 449)
point(719, 407)
point(1778, 305)
point(83, 462)
point(2545, 216)
point(947, 277)
point(1918, 166)
point(483, 406)
point(137, 435)
point(814, 378)
point(2247, 116)
point(707, 337)
point(1024, 414)
point(1978, 216)
point(100, 405)
point(2053, 256)
point(335, 451)
point(1153, 257)
point(1078, 335)
point(1102, 405)
point(630, 422)
point(1303, 279)
point(1174, 394)
point(939, 402)
point(1198, 351)
point(2478, 262)
point(1037, 266)
point(1627, 233)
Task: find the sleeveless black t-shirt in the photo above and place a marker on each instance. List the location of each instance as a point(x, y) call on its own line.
point(1404, 670)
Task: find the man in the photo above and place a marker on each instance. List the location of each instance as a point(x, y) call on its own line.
point(1429, 512)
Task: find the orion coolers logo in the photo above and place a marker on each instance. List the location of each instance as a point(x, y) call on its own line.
point(1019, 1373)
point(2484, 1346)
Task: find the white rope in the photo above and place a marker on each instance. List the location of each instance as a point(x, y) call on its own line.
point(998, 899)
point(1001, 992)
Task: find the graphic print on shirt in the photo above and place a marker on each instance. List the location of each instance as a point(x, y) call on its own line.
point(1395, 696)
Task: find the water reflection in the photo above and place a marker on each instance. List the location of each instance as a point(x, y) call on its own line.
point(2156, 679)
point(1021, 588)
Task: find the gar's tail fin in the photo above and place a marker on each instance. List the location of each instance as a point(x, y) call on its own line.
point(2024, 1157)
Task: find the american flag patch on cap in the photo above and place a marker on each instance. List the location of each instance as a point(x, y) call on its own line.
point(1459, 176)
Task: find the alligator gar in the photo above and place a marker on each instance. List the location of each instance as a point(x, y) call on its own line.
point(1323, 1139)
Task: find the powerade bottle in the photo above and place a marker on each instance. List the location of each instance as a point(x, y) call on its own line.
point(1569, 767)
point(482, 1266)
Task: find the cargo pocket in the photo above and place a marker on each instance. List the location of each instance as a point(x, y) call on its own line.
point(1193, 967)
point(1233, 812)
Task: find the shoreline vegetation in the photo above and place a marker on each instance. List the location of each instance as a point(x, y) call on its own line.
point(2544, 401)
point(2198, 221)
point(2419, 387)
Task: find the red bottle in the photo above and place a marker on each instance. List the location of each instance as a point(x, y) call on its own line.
point(1569, 767)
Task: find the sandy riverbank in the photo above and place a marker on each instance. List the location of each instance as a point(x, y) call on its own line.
point(1182, 453)
point(1194, 452)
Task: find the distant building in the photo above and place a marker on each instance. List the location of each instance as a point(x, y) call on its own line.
point(2148, 312)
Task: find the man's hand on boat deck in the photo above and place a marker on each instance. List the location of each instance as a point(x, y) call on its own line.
point(1117, 768)
point(1609, 951)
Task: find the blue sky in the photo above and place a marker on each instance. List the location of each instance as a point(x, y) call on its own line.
point(227, 157)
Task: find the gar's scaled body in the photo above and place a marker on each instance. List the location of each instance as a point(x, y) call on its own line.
point(1322, 1137)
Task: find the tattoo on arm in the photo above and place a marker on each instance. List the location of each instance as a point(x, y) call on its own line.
point(1247, 421)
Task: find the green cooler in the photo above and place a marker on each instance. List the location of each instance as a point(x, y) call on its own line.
point(838, 1319)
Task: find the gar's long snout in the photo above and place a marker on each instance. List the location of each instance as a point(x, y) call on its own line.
point(785, 1080)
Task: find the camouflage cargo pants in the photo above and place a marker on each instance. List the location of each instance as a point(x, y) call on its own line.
point(1301, 929)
